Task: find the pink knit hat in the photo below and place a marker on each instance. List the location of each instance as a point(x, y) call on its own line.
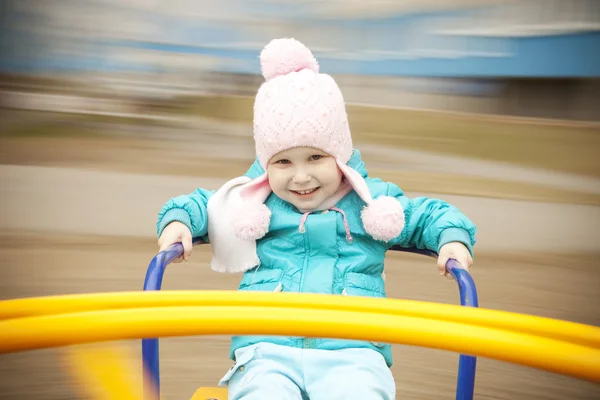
point(297, 106)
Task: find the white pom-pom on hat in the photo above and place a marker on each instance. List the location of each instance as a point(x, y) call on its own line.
point(283, 56)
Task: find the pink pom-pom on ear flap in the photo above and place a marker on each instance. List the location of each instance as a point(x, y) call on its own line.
point(383, 218)
point(251, 222)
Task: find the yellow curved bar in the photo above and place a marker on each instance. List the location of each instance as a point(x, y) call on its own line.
point(547, 327)
point(63, 329)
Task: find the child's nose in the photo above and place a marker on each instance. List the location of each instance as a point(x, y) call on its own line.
point(301, 176)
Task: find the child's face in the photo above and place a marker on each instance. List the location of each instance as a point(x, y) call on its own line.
point(304, 176)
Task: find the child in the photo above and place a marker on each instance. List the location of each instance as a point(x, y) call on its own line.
point(307, 218)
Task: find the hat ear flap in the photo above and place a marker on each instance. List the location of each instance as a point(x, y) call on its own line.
point(382, 218)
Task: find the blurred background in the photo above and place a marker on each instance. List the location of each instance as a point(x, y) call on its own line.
point(109, 108)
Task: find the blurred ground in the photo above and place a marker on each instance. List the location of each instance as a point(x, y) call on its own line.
point(562, 145)
point(80, 197)
point(454, 155)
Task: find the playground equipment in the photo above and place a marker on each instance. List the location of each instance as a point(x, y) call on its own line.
point(557, 346)
point(153, 281)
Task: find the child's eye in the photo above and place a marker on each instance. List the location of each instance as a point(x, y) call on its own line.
point(284, 161)
point(316, 157)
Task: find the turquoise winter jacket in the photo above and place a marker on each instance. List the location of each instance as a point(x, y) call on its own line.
point(321, 260)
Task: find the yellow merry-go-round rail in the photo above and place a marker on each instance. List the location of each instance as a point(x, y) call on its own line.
point(562, 347)
point(547, 327)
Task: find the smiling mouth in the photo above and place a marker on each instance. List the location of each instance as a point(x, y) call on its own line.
point(306, 192)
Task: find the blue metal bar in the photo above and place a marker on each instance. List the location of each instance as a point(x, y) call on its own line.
point(465, 386)
point(150, 353)
point(425, 252)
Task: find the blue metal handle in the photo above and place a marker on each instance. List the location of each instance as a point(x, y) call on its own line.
point(467, 365)
point(153, 281)
point(468, 297)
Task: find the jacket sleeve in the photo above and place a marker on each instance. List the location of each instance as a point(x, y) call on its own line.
point(431, 223)
point(188, 209)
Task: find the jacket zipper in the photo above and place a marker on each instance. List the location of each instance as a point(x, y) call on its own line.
point(306, 342)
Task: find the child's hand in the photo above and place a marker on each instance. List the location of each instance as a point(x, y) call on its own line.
point(173, 233)
point(457, 251)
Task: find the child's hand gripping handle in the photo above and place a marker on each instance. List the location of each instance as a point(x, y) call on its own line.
point(156, 269)
point(466, 285)
point(173, 252)
point(157, 266)
point(176, 233)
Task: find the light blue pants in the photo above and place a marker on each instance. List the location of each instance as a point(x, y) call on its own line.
point(268, 371)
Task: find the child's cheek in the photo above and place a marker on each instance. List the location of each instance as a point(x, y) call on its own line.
point(328, 169)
